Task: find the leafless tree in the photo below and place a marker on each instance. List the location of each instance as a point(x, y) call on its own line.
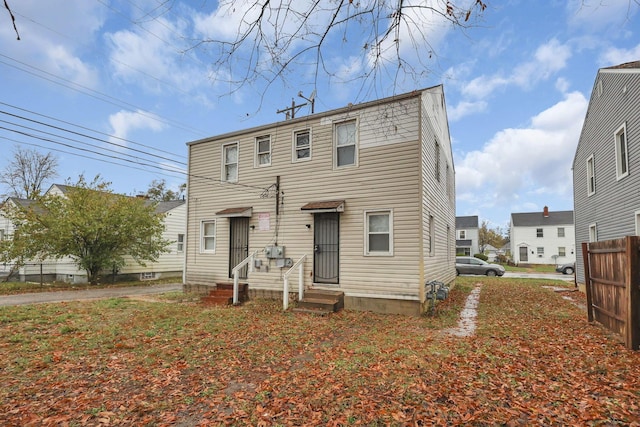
point(27, 172)
point(266, 40)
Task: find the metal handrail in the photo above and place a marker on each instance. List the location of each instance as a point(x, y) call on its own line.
point(235, 271)
point(285, 293)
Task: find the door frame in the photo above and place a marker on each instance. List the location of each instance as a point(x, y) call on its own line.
point(238, 225)
point(318, 216)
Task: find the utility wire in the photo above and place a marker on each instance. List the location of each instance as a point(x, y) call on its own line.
point(97, 95)
point(83, 135)
point(91, 130)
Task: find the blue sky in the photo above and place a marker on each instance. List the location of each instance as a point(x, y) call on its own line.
point(121, 75)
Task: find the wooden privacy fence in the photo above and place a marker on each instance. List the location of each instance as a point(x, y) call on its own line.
point(612, 281)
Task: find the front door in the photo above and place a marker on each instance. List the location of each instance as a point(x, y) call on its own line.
point(524, 254)
point(326, 248)
point(238, 244)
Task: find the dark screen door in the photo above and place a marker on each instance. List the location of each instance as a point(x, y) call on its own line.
point(326, 257)
point(238, 244)
point(524, 254)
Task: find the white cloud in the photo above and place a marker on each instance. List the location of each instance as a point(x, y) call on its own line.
point(124, 122)
point(465, 108)
point(54, 36)
point(614, 56)
point(548, 59)
point(594, 15)
point(536, 159)
point(150, 58)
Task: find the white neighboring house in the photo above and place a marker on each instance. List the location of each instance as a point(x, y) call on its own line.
point(546, 237)
point(467, 235)
point(169, 264)
point(365, 194)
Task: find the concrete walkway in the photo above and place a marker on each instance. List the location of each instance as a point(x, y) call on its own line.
point(90, 294)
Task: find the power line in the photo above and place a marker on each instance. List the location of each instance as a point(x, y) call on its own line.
point(97, 95)
point(80, 134)
point(91, 130)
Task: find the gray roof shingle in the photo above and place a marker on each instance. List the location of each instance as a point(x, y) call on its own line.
point(531, 219)
point(467, 222)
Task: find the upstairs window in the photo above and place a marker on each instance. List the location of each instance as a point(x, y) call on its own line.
point(180, 245)
point(622, 159)
point(346, 144)
point(263, 150)
point(230, 162)
point(302, 145)
point(560, 231)
point(539, 232)
point(591, 176)
point(593, 233)
point(462, 234)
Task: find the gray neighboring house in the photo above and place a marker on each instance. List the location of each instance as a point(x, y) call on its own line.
point(606, 165)
point(546, 237)
point(467, 235)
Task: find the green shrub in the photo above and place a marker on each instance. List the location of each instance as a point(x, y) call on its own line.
point(481, 256)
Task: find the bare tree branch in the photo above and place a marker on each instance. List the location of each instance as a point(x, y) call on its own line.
point(27, 172)
point(13, 19)
point(277, 37)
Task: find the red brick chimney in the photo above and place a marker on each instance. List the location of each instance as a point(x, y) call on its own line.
point(545, 213)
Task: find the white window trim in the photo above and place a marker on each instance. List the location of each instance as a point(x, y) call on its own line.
point(622, 130)
point(593, 237)
point(257, 153)
point(636, 219)
point(564, 249)
point(180, 244)
point(541, 233)
point(564, 232)
point(223, 175)
point(591, 174)
point(437, 160)
point(202, 236)
point(462, 234)
point(356, 156)
point(294, 147)
point(366, 232)
point(148, 275)
point(432, 235)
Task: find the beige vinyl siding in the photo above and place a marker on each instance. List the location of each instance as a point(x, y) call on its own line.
point(387, 177)
point(172, 261)
point(438, 201)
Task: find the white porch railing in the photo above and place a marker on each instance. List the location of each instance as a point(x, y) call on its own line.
point(285, 293)
point(236, 274)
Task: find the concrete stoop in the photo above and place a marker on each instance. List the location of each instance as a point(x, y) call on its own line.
point(320, 301)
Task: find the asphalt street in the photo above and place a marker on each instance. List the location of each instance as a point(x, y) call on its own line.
point(89, 294)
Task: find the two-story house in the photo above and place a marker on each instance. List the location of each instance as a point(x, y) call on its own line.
point(365, 194)
point(546, 237)
point(467, 235)
point(169, 264)
point(607, 160)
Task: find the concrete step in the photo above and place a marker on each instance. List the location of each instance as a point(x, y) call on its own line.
point(321, 301)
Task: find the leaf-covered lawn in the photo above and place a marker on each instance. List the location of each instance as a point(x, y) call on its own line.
point(534, 360)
